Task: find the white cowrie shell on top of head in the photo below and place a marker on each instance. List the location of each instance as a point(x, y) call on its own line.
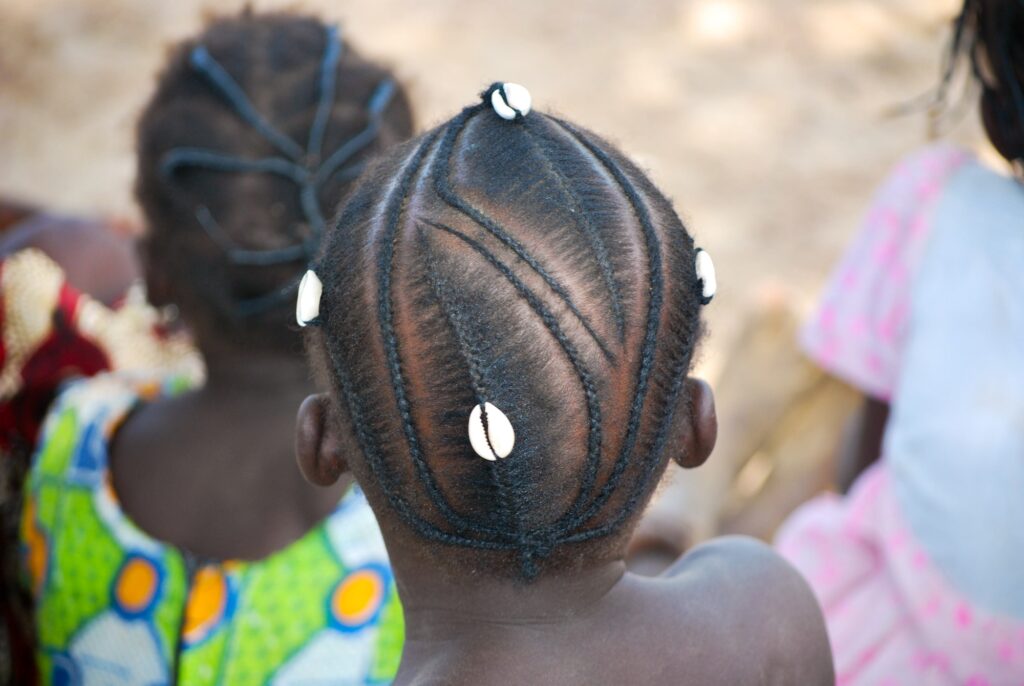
point(307, 305)
point(497, 440)
point(706, 275)
point(511, 99)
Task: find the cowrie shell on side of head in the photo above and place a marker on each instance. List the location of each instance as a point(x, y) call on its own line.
point(307, 304)
point(706, 275)
point(511, 100)
point(494, 441)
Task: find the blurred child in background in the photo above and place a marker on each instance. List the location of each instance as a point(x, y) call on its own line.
point(167, 534)
point(918, 566)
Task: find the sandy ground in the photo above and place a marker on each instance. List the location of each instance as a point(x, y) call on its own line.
point(767, 121)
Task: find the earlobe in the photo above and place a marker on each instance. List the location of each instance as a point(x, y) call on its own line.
point(700, 425)
point(319, 450)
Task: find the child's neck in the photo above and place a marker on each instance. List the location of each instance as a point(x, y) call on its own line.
point(253, 372)
point(448, 622)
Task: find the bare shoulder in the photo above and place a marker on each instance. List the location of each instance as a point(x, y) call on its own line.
point(765, 603)
point(738, 559)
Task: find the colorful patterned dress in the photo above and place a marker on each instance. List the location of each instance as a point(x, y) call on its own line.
point(115, 606)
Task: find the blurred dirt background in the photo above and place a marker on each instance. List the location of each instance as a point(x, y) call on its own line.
point(768, 122)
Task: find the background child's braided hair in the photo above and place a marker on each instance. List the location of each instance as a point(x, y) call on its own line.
point(526, 264)
point(254, 132)
point(989, 36)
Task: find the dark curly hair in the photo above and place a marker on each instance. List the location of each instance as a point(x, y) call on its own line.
point(988, 37)
point(233, 202)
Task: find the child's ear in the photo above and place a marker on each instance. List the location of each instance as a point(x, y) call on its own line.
point(698, 425)
point(321, 441)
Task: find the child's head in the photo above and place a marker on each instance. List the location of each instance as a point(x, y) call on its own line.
point(256, 129)
point(524, 265)
point(991, 34)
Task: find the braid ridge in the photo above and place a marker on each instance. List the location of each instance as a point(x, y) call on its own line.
point(584, 221)
point(595, 435)
point(376, 107)
point(456, 321)
point(508, 497)
point(394, 209)
point(656, 287)
point(443, 187)
point(233, 94)
point(327, 83)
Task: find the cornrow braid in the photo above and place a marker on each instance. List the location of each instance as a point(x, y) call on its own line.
point(656, 286)
point(576, 207)
point(517, 261)
point(460, 328)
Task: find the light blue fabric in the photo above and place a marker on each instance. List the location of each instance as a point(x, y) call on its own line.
point(955, 440)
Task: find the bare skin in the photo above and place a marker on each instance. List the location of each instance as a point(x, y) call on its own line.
point(729, 612)
point(172, 460)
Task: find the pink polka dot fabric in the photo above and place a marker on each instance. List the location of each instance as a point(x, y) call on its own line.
point(857, 331)
point(893, 620)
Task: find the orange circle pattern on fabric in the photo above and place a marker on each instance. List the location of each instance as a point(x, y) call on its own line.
point(358, 598)
point(136, 585)
point(36, 548)
point(207, 602)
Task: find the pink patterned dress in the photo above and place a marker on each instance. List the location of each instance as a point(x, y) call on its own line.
point(920, 569)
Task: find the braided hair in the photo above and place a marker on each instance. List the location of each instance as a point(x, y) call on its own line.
point(256, 129)
point(988, 37)
point(529, 265)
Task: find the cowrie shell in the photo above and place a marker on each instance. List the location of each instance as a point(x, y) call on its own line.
point(706, 274)
point(307, 305)
point(498, 435)
point(511, 99)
